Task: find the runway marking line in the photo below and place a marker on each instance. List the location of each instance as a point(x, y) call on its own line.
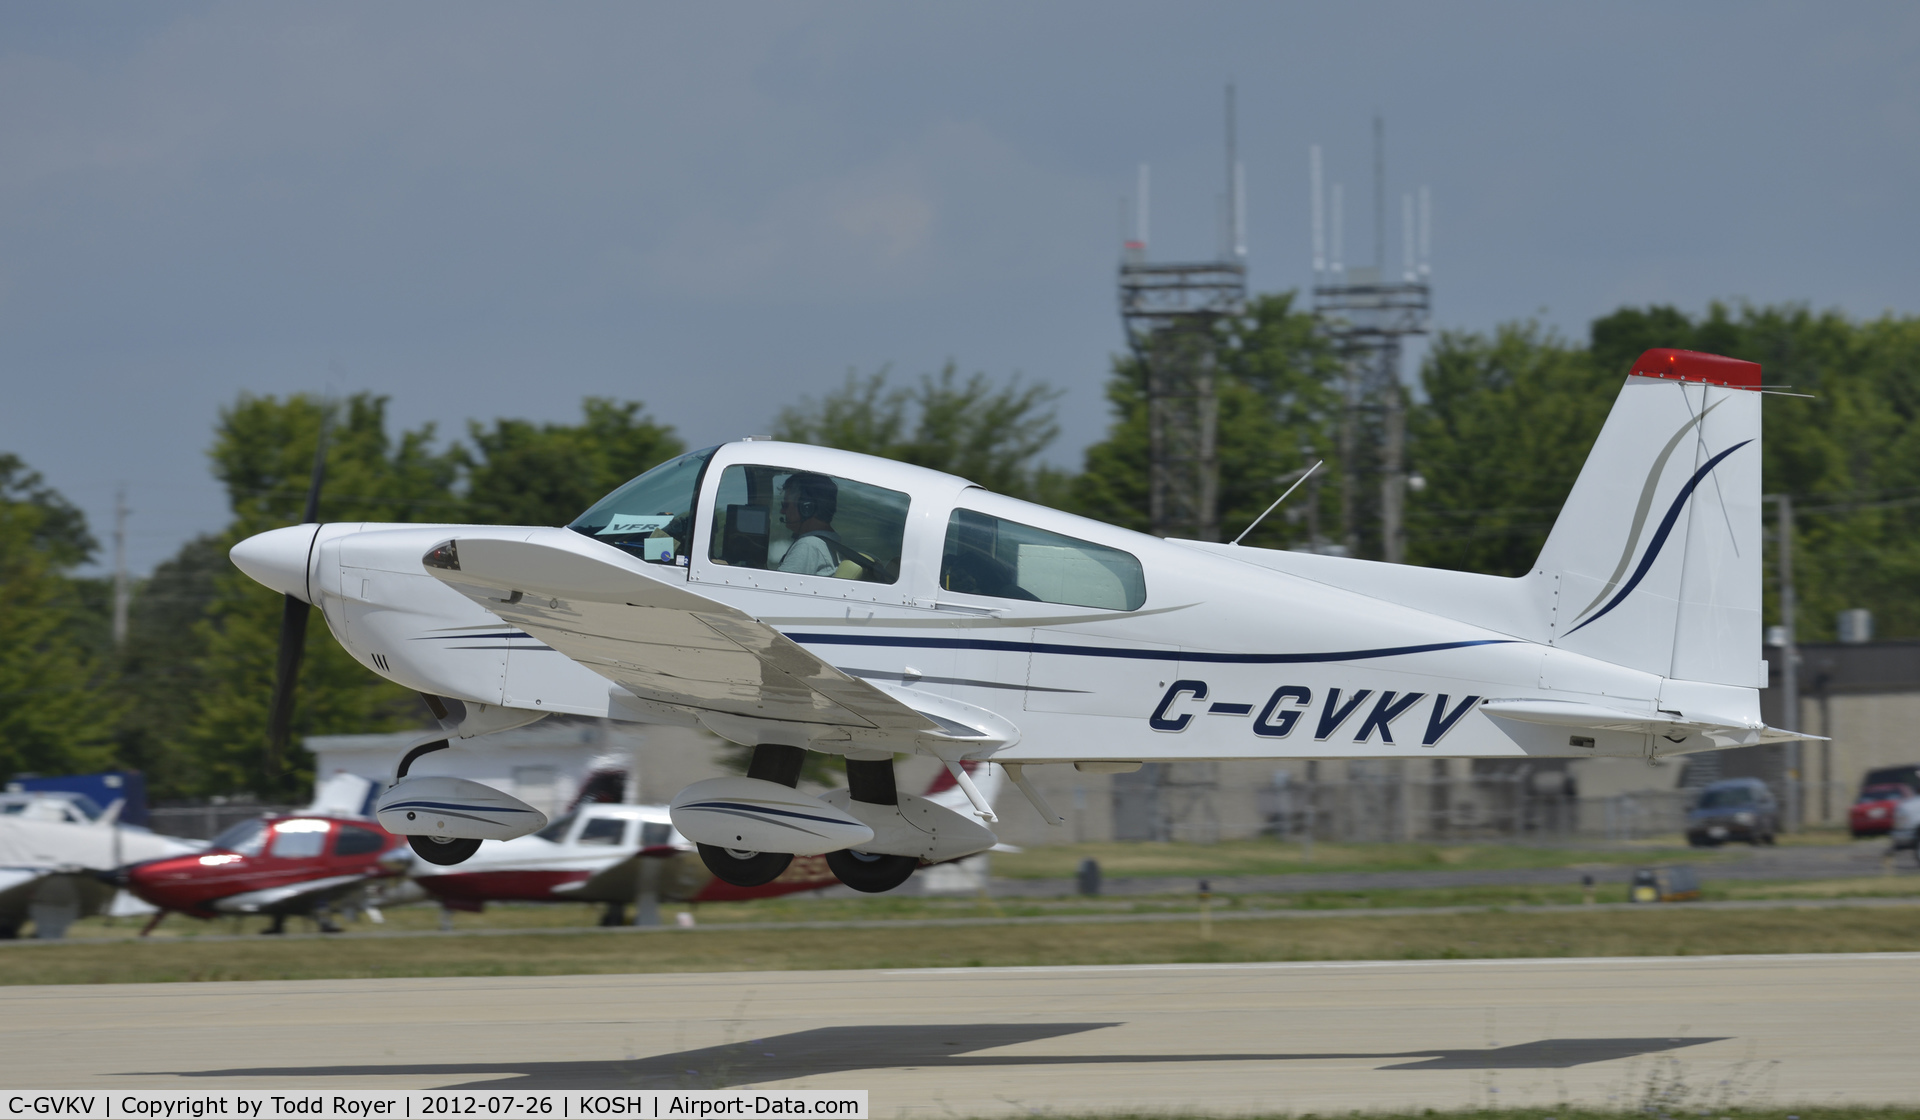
point(1242, 966)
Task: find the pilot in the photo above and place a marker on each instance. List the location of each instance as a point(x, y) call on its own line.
point(807, 505)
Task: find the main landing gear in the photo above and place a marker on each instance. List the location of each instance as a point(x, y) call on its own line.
point(444, 853)
point(770, 763)
point(871, 872)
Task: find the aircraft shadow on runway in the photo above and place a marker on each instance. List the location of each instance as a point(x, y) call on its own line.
point(826, 1051)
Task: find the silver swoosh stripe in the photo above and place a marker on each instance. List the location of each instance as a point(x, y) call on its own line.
point(1646, 504)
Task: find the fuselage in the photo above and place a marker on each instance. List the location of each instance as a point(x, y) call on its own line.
point(1195, 652)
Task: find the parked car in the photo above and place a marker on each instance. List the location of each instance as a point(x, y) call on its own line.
point(1906, 774)
point(1734, 809)
point(1872, 812)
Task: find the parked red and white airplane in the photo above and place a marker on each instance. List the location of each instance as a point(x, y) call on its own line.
point(796, 598)
point(54, 850)
point(616, 854)
point(294, 864)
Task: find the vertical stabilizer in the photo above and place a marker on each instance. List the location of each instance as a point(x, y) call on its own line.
point(1655, 558)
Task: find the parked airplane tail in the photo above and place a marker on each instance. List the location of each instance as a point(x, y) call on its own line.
point(1655, 560)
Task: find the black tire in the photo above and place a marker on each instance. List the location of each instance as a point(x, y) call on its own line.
point(871, 873)
point(443, 853)
point(744, 869)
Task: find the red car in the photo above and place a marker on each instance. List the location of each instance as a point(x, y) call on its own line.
point(1872, 812)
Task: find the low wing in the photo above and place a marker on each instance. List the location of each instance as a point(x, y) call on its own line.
point(291, 897)
point(668, 644)
point(1672, 726)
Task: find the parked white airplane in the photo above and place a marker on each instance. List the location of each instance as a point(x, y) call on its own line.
point(797, 598)
point(51, 847)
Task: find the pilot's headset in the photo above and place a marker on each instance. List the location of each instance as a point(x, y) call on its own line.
point(814, 496)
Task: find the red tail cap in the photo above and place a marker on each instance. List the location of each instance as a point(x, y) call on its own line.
point(1691, 365)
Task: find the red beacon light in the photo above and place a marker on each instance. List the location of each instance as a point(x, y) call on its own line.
point(1691, 365)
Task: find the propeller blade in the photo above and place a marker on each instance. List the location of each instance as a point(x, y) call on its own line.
point(293, 625)
point(293, 646)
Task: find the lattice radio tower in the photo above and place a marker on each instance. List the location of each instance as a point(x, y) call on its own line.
point(1366, 314)
point(1169, 311)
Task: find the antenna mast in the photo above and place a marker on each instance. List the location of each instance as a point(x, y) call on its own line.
point(1366, 316)
point(1169, 311)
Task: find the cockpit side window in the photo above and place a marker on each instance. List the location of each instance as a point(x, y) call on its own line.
point(780, 519)
point(651, 516)
point(987, 555)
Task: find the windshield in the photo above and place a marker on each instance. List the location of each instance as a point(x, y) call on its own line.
point(1885, 793)
point(246, 838)
point(652, 516)
point(1726, 798)
point(557, 831)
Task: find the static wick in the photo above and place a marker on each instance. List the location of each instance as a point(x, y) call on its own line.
point(1277, 501)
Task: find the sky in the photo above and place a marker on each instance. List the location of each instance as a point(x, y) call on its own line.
point(484, 210)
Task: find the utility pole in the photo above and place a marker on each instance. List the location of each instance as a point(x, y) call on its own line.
point(120, 596)
point(1790, 653)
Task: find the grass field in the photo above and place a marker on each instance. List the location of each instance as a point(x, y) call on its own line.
point(1275, 857)
point(807, 908)
point(1657, 932)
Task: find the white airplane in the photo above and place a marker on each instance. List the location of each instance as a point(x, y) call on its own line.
point(795, 598)
point(54, 848)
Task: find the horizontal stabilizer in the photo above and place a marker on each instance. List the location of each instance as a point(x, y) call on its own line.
point(1675, 727)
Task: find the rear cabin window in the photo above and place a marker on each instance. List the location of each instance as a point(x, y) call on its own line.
point(356, 841)
point(651, 516)
point(988, 555)
point(805, 523)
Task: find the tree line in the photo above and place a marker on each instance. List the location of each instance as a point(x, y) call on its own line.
point(1498, 426)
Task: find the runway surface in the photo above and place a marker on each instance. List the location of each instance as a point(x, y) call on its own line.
point(967, 1042)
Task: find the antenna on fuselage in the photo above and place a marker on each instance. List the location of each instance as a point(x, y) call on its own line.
point(1278, 500)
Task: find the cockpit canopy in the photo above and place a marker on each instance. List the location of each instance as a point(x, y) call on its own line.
point(790, 510)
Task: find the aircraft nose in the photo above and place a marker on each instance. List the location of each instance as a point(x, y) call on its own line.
point(277, 558)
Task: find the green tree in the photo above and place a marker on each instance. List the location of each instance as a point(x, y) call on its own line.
point(992, 434)
point(56, 712)
point(263, 454)
point(162, 669)
point(520, 473)
point(1274, 382)
point(1504, 429)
